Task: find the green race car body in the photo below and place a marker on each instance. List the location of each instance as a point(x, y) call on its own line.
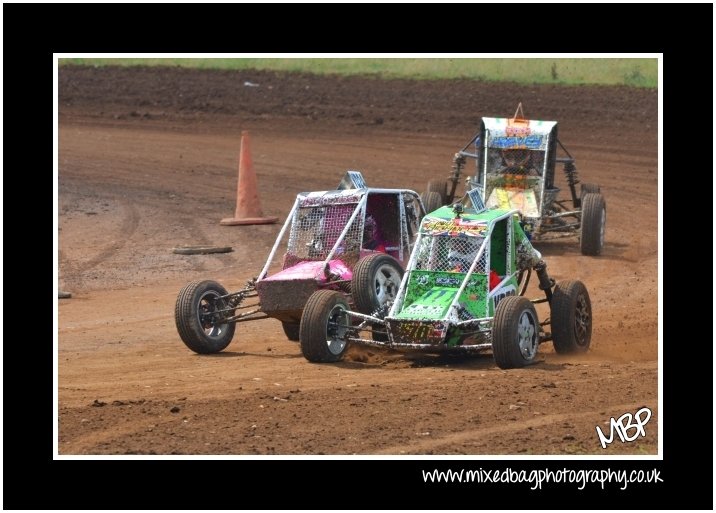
point(462, 291)
point(460, 270)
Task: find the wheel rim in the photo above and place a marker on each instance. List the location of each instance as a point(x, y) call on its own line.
point(208, 315)
point(386, 283)
point(336, 329)
point(582, 320)
point(602, 222)
point(527, 335)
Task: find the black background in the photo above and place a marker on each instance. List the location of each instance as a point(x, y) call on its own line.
point(32, 33)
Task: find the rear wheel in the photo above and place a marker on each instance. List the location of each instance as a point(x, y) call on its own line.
point(571, 317)
point(431, 201)
point(324, 326)
point(439, 186)
point(594, 219)
point(515, 333)
point(376, 279)
point(199, 318)
point(291, 329)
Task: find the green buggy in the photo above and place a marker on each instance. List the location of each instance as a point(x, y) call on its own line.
point(462, 291)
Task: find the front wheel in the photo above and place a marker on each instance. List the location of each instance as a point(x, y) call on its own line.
point(431, 201)
point(594, 219)
point(515, 333)
point(199, 316)
point(324, 326)
point(439, 186)
point(376, 280)
point(571, 317)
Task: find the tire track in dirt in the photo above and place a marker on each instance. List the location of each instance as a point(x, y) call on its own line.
point(101, 324)
point(94, 439)
point(117, 416)
point(74, 270)
point(127, 228)
point(433, 445)
point(617, 154)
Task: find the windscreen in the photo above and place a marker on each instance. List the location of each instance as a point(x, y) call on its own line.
point(452, 253)
point(315, 230)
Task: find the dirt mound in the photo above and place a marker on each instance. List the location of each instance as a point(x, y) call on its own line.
point(143, 94)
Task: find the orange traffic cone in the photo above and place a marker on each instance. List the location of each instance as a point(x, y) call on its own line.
point(248, 209)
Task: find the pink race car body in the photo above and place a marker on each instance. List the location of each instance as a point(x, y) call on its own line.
point(325, 238)
point(324, 244)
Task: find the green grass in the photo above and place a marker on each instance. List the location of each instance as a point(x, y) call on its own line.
point(636, 72)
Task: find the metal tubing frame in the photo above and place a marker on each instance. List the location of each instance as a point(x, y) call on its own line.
point(420, 347)
point(359, 207)
point(289, 221)
point(487, 242)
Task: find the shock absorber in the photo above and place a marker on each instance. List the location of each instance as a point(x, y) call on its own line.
point(382, 310)
point(344, 286)
point(458, 161)
point(545, 282)
point(570, 173)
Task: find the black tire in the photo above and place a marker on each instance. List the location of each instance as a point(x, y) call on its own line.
point(196, 323)
point(588, 188)
point(323, 327)
point(515, 333)
point(439, 186)
point(292, 330)
point(376, 280)
point(571, 317)
point(594, 219)
point(431, 201)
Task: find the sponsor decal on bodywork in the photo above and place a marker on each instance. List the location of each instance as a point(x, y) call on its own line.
point(429, 295)
point(530, 142)
point(454, 227)
point(421, 332)
point(502, 293)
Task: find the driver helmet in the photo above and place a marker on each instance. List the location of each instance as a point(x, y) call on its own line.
point(462, 253)
point(369, 227)
point(515, 157)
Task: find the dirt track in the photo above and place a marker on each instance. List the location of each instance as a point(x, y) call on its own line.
point(147, 161)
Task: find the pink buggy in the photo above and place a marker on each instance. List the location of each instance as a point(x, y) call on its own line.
point(322, 247)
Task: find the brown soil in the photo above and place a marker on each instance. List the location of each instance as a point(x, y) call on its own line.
point(147, 162)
